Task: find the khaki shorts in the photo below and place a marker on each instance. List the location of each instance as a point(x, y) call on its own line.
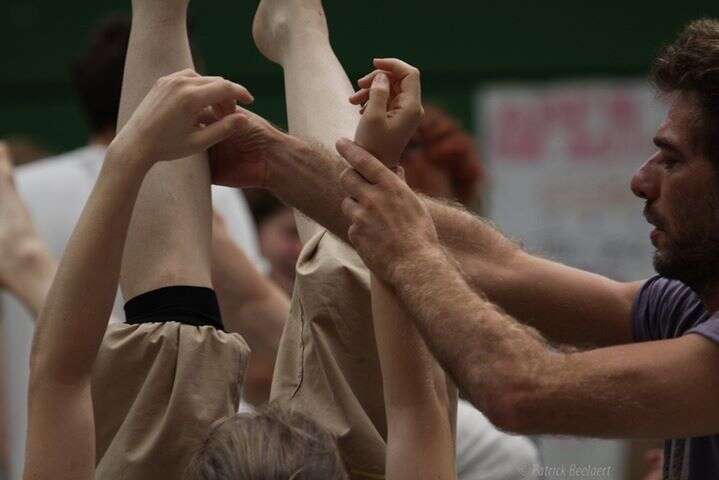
point(327, 366)
point(157, 388)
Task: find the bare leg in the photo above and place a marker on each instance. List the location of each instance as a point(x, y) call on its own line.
point(169, 238)
point(294, 34)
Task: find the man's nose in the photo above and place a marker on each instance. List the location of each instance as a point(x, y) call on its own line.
point(645, 182)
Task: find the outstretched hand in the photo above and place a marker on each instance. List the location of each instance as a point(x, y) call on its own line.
point(242, 159)
point(183, 114)
point(392, 111)
point(390, 223)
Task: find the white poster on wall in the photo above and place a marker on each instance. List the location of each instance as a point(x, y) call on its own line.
point(560, 158)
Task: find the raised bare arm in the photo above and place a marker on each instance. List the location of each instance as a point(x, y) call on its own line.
point(414, 386)
point(73, 321)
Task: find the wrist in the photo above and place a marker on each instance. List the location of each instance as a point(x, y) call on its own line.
point(128, 156)
point(158, 12)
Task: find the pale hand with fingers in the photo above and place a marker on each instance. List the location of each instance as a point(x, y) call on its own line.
point(392, 109)
point(172, 121)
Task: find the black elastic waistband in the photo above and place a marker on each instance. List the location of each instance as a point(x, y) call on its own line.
point(195, 306)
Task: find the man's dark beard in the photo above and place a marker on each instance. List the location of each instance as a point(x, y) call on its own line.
point(694, 263)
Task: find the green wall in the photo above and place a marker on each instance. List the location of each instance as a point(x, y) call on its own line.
point(457, 44)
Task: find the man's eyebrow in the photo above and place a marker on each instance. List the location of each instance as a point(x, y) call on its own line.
point(665, 144)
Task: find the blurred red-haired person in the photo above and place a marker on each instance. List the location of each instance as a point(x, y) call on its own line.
point(442, 160)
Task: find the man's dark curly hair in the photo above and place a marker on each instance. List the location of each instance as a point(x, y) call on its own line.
point(691, 65)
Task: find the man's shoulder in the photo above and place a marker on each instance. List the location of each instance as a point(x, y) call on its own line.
point(666, 308)
point(659, 289)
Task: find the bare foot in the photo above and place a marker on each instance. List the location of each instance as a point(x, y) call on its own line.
point(279, 22)
point(19, 242)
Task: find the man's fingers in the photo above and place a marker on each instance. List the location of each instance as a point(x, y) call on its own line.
point(351, 208)
point(217, 92)
point(378, 96)
point(354, 184)
point(211, 134)
point(366, 165)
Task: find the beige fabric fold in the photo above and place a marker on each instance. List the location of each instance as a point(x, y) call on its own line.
point(327, 366)
point(157, 389)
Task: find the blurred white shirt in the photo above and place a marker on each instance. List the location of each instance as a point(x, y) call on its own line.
point(486, 453)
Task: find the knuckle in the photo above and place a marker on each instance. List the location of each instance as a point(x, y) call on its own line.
point(175, 82)
point(164, 81)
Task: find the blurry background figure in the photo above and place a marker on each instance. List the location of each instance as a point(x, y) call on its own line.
point(442, 161)
point(279, 241)
point(55, 190)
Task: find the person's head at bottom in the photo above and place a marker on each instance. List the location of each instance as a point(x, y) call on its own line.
point(271, 443)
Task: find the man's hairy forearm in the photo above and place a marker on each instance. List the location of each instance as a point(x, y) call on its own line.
point(539, 292)
point(472, 241)
point(307, 177)
point(491, 356)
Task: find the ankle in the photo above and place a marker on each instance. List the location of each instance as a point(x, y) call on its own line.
point(159, 12)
